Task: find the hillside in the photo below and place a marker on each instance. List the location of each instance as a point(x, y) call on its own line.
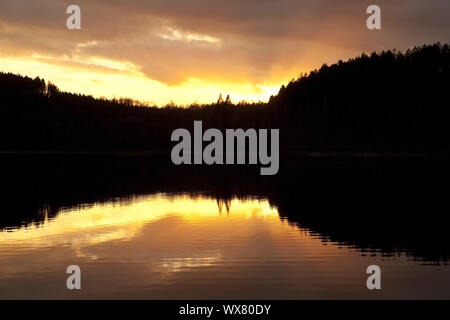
point(388, 101)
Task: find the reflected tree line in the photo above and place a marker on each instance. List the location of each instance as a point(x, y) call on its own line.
point(377, 206)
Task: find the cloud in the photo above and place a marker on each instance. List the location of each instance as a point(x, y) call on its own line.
point(172, 41)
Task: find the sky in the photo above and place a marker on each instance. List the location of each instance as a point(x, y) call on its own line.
point(189, 51)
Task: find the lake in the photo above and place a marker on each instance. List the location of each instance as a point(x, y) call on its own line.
point(140, 229)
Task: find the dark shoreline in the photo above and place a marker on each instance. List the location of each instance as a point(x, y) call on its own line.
point(296, 154)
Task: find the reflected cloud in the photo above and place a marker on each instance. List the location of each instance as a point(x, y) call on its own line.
point(88, 226)
point(180, 264)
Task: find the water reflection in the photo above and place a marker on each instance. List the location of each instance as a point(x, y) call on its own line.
point(122, 220)
point(181, 246)
point(150, 231)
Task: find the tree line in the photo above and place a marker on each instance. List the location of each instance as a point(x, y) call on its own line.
point(385, 101)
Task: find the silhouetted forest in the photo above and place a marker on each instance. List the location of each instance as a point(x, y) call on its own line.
point(377, 206)
point(386, 101)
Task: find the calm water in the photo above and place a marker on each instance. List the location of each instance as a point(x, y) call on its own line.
point(143, 231)
point(164, 246)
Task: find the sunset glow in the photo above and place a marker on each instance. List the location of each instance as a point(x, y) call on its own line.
point(124, 219)
point(186, 52)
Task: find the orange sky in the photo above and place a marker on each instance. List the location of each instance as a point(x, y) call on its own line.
point(186, 51)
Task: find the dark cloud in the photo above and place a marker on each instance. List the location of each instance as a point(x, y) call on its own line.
point(251, 40)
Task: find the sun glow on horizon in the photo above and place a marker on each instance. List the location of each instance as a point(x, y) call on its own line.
point(109, 78)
